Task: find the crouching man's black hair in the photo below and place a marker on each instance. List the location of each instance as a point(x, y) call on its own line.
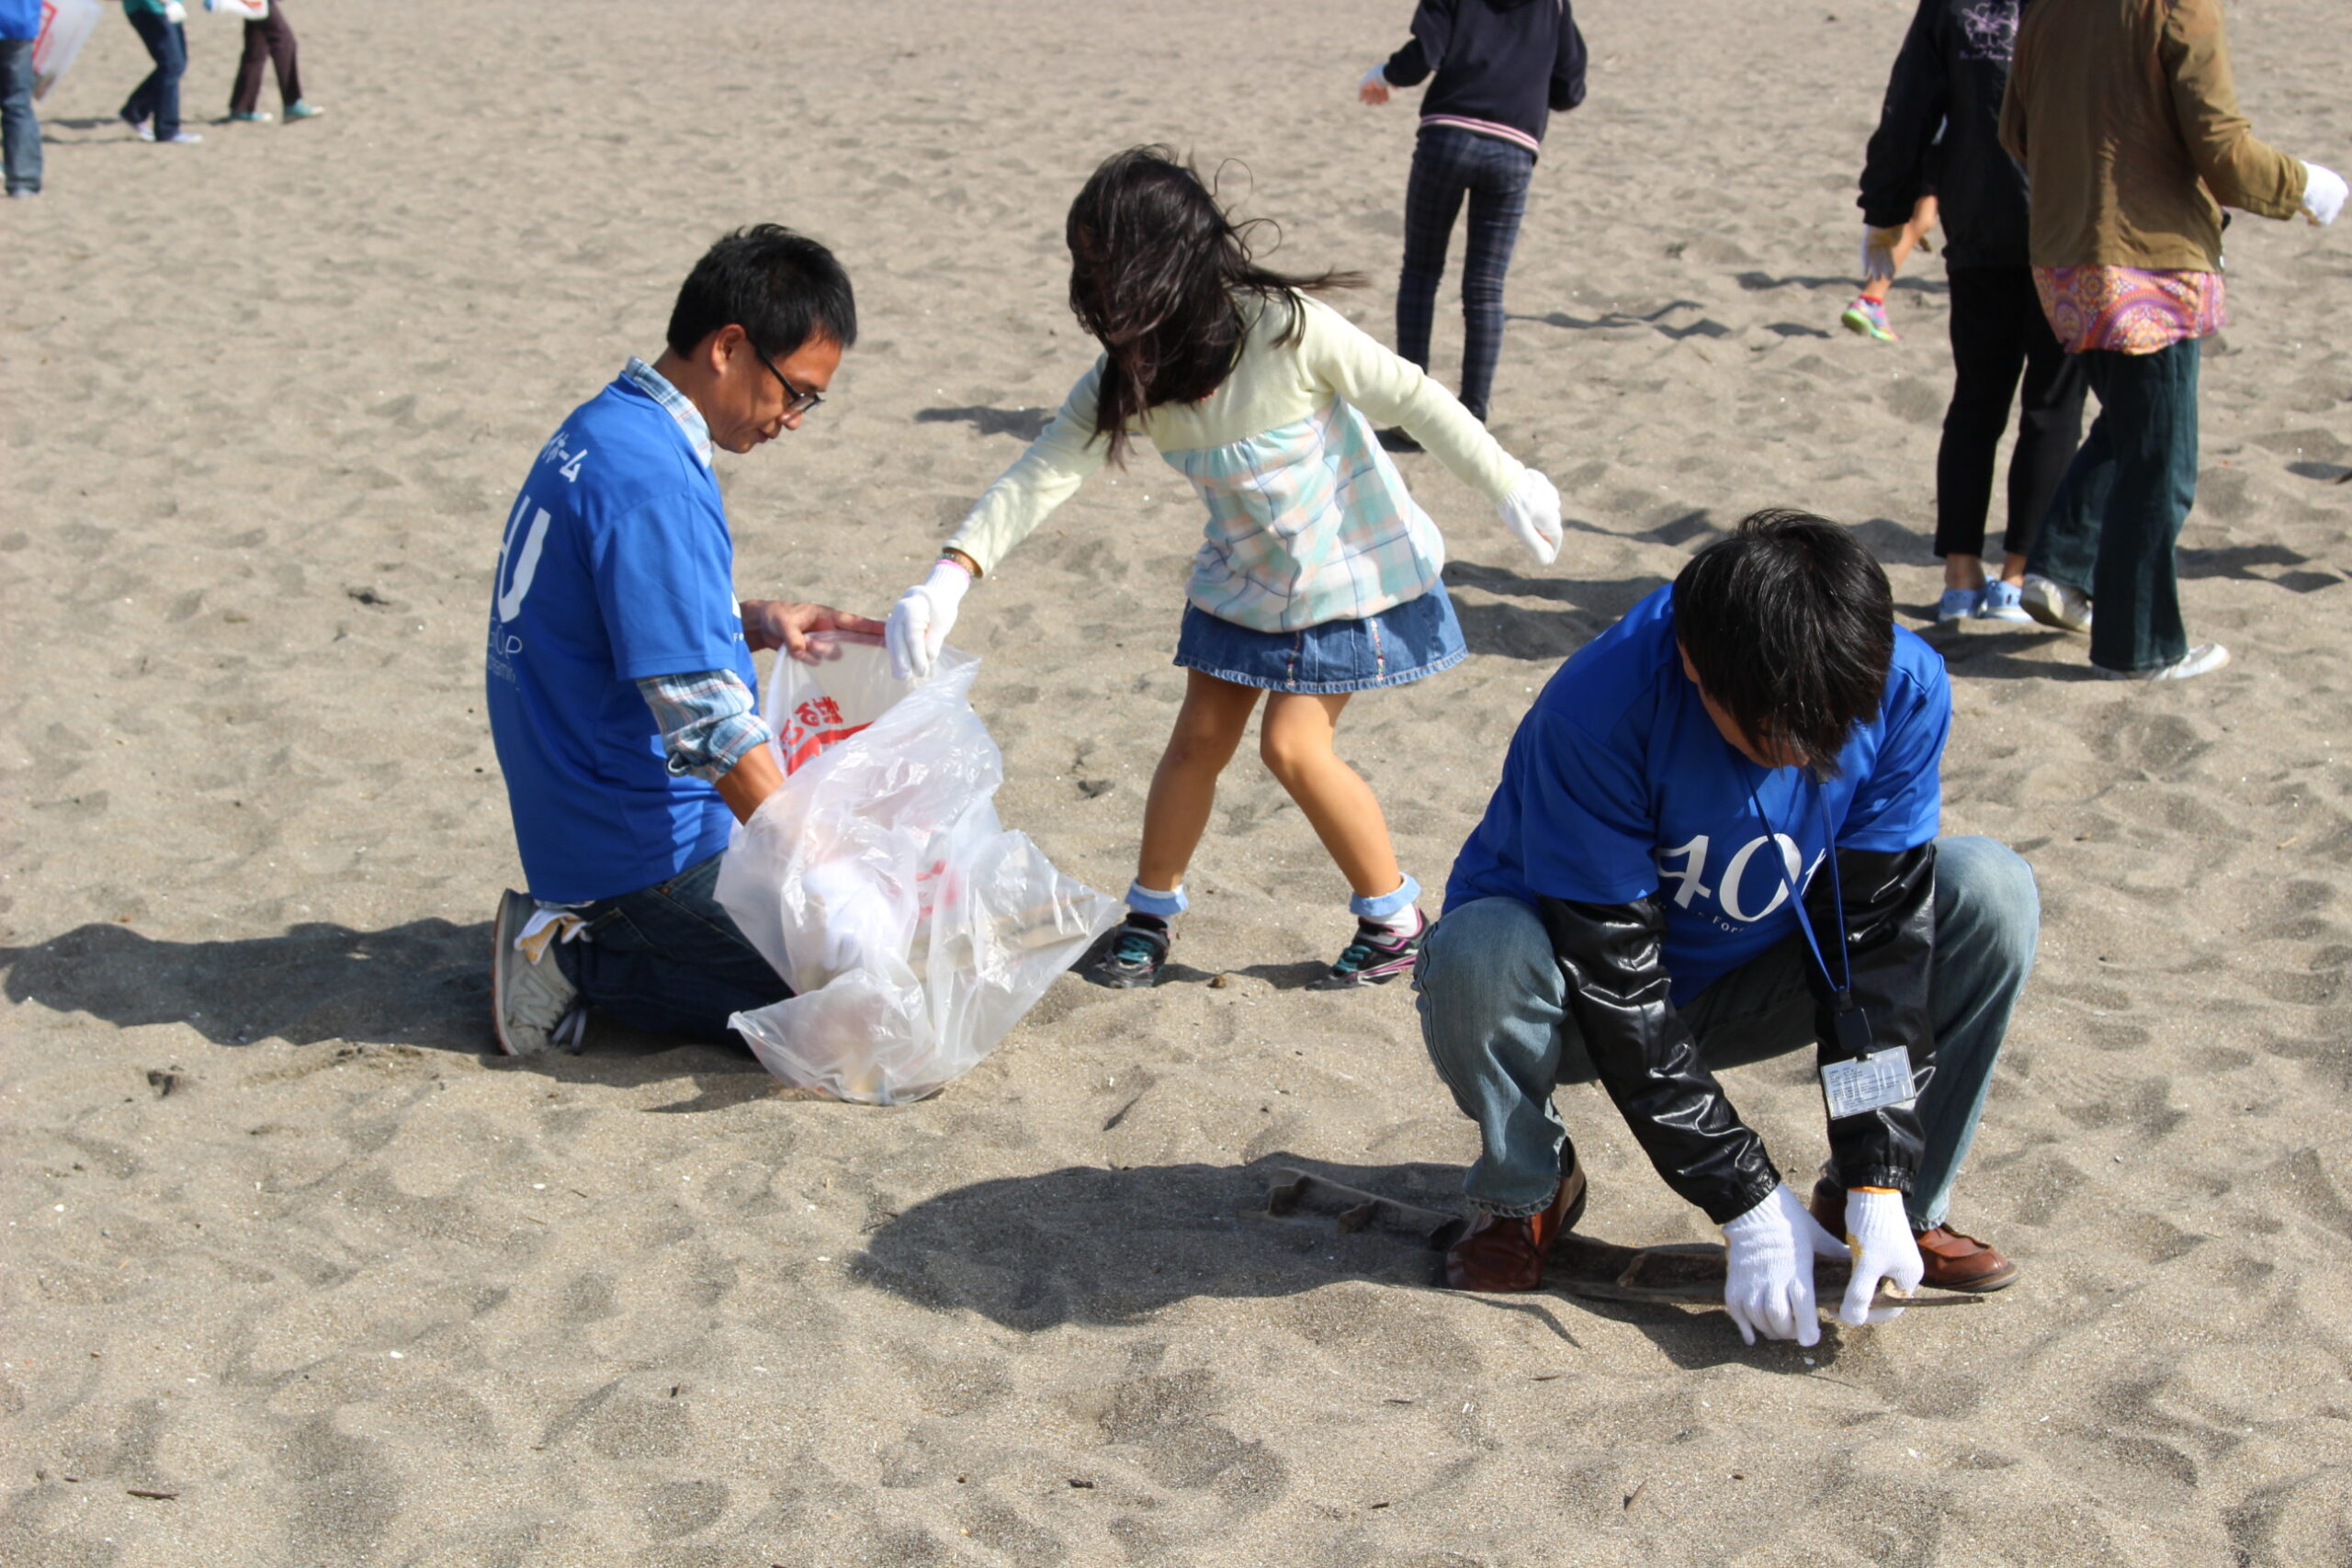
point(1790, 625)
point(781, 287)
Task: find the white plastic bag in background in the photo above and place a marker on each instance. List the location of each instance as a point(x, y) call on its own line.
point(914, 929)
point(64, 27)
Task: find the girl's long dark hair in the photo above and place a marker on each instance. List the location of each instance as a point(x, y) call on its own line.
point(1157, 274)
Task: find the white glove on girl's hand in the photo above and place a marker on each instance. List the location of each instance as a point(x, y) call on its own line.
point(2323, 193)
point(1531, 510)
point(918, 621)
point(1878, 1232)
point(1374, 88)
point(1767, 1282)
point(1878, 251)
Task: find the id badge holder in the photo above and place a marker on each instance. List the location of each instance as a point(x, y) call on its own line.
point(1871, 1080)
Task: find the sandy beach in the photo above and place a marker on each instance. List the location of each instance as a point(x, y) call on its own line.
point(296, 1271)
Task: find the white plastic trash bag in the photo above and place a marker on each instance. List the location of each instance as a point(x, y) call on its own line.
point(913, 928)
point(64, 27)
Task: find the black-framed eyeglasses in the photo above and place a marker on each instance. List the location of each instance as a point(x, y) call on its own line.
point(795, 400)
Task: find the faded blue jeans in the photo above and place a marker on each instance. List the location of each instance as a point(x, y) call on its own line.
point(19, 127)
point(1494, 1017)
point(667, 960)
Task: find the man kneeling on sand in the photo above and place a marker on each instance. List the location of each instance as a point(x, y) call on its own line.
point(1715, 840)
point(620, 673)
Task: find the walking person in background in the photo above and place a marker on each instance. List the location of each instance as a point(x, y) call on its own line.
point(153, 110)
point(269, 39)
point(2126, 118)
point(1943, 104)
point(1502, 67)
point(19, 127)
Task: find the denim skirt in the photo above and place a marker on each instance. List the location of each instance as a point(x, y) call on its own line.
point(1402, 643)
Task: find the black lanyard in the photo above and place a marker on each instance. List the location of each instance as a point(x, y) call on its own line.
point(1841, 985)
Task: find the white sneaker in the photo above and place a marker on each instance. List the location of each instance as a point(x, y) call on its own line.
point(2056, 605)
point(533, 1007)
point(179, 139)
point(2202, 659)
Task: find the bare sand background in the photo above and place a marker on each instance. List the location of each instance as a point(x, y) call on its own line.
point(283, 1242)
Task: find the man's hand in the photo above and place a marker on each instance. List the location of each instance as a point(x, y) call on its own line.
point(775, 623)
point(1878, 1231)
point(1767, 1279)
point(1374, 88)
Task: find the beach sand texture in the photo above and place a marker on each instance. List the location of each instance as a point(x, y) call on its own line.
point(283, 1243)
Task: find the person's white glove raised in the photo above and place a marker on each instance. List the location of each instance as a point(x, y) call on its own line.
point(1532, 512)
point(2323, 193)
point(1878, 1232)
point(918, 621)
point(1767, 1279)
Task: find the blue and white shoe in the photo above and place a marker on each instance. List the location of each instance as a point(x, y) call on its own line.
point(2001, 602)
point(1957, 605)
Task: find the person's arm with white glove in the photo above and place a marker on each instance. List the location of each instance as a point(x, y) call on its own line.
point(1024, 495)
point(1768, 1272)
point(175, 13)
point(1391, 390)
point(1878, 1235)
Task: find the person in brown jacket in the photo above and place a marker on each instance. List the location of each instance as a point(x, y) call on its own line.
point(2126, 119)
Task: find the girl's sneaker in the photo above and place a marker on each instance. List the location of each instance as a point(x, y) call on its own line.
point(1136, 954)
point(299, 109)
point(1957, 605)
point(1868, 317)
point(1377, 955)
point(2002, 602)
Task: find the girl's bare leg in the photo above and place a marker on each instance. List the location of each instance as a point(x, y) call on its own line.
point(1296, 742)
point(1208, 727)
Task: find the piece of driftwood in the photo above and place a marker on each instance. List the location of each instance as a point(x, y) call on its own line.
point(1688, 1274)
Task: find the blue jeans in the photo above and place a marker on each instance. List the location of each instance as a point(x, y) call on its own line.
point(1450, 164)
point(159, 96)
point(1494, 1017)
point(2117, 513)
point(667, 960)
point(19, 127)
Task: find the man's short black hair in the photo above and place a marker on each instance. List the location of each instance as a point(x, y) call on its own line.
point(781, 287)
point(1789, 624)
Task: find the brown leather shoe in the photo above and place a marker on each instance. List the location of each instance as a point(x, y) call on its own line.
point(1497, 1254)
point(1954, 1262)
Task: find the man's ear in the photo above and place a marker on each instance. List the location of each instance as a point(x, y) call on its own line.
point(1689, 668)
point(720, 349)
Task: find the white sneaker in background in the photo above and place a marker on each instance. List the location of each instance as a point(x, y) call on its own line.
point(2056, 605)
point(2202, 659)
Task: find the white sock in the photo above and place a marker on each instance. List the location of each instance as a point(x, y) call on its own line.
point(1403, 922)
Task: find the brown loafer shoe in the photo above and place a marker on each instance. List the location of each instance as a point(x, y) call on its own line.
point(1498, 1254)
point(1954, 1262)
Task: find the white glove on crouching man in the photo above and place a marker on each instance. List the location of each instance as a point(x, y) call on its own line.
point(918, 622)
point(1767, 1281)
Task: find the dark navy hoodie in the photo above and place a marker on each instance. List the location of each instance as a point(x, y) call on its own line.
point(1502, 65)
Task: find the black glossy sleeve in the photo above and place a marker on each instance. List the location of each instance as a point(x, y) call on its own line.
point(1891, 944)
point(1612, 957)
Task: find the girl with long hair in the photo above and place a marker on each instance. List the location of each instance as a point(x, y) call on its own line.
point(1317, 577)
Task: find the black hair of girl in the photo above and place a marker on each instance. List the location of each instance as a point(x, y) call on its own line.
point(1158, 275)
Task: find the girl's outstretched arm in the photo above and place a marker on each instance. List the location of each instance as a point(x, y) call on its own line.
point(1040, 480)
point(1394, 390)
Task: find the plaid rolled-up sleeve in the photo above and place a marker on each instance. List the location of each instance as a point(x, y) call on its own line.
point(708, 720)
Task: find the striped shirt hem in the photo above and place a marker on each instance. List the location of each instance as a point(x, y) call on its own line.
point(1510, 133)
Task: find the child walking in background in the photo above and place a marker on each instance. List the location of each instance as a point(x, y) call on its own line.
point(269, 41)
point(1884, 250)
point(1319, 575)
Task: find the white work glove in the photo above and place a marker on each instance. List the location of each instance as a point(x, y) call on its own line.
point(1878, 1232)
point(173, 11)
point(1374, 88)
point(1767, 1281)
point(1532, 512)
point(2323, 193)
point(1877, 251)
point(918, 621)
point(859, 926)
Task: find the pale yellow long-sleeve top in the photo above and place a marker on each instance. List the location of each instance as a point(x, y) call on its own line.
point(1308, 519)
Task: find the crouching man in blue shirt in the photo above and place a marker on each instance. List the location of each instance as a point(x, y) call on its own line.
point(619, 666)
point(1715, 840)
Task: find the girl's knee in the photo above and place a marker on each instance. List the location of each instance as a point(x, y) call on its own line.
point(1292, 756)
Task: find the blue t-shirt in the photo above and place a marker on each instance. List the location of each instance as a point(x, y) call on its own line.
point(617, 565)
point(1617, 785)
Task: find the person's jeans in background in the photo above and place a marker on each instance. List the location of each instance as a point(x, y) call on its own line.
point(2112, 527)
point(271, 39)
point(1493, 1006)
point(158, 97)
point(1450, 165)
point(667, 960)
point(19, 127)
point(1998, 332)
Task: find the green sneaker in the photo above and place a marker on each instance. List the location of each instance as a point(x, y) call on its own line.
point(299, 109)
point(1868, 317)
point(249, 117)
